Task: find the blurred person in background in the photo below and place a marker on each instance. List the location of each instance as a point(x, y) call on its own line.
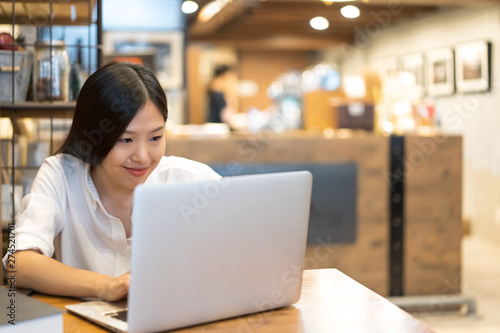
point(222, 98)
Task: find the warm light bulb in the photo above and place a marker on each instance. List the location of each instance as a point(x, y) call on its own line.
point(210, 10)
point(189, 7)
point(350, 11)
point(319, 23)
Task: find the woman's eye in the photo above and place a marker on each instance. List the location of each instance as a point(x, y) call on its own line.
point(126, 140)
point(156, 138)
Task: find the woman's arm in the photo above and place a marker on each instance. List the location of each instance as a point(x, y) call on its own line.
point(46, 275)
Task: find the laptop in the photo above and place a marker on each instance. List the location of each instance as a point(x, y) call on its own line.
point(206, 251)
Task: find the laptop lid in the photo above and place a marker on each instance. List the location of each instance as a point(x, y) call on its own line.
point(204, 251)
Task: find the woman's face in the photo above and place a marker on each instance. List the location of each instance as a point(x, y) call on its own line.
point(138, 151)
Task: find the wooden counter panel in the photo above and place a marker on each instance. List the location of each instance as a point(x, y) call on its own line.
point(433, 232)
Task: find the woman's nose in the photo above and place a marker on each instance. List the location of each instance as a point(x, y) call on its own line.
point(140, 153)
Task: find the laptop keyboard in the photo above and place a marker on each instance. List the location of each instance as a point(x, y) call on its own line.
point(120, 315)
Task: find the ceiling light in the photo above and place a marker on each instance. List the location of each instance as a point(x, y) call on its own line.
point(210, 10)
point(73, 13)
point(350, 11)
point(189, 7)
point(330, 2)
point(319, 23)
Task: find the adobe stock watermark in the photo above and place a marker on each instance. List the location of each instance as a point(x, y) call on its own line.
point(438, 305)
point(424, 147)
point(445, 302)
point(364, 35)
point(292, 281)
point(248, 151)
point(455, 115)
point(42, 15)
point(201, 198)
point(90, 139)
point(11, 275)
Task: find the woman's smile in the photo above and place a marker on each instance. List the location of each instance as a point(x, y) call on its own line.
point(137, 172)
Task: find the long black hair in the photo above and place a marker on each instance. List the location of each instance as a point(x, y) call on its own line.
point(107, 103)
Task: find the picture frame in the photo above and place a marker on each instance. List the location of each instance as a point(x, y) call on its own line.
point(473, 66)
point(167, 49)
point(440, 72)
point(414, 63)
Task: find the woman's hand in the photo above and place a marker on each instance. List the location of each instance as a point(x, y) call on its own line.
point(43, 274)
point(115, 289)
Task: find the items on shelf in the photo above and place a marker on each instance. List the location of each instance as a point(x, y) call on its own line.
point(77, 74)
point(14, 77)
point(51, 71)
point(15, 69)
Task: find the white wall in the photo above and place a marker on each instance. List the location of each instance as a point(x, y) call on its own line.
point(475, 116)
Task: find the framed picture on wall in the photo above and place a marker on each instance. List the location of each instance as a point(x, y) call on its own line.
point(472, 66)
point(440, 72)
point(162, 51)
point(414, 64)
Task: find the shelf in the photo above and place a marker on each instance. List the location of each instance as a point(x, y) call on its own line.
point(25, 167)
point(32, 12)
point(42, 1)
point(38, 109)
point(47, 14)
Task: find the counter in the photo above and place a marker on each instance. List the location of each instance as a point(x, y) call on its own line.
point(430, 227)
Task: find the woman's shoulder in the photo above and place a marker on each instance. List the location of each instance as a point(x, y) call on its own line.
point(62, 168)
point(180, 168)
point(59, 173)
point(64, 162)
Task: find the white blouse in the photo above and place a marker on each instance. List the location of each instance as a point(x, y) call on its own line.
point(64, 215)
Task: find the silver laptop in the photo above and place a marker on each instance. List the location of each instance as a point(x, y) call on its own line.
point(205, 251)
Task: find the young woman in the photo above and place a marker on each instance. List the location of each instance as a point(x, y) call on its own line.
point(80, 205)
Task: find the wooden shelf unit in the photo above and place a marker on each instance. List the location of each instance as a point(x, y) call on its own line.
point(45, 13)
point(38, 12)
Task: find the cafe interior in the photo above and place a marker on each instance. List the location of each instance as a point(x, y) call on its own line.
point(390, 104)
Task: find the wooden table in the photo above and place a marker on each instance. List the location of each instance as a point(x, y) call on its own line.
point(330, 302)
